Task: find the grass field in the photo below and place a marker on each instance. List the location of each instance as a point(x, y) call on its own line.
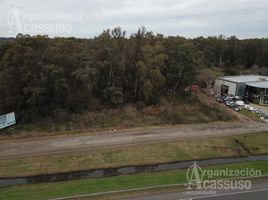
point(250, 114)
point(139, 155)
point(69, 188)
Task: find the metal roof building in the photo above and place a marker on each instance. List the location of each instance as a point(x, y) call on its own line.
point(244, 78)
point(263, 84)
point(255, 86)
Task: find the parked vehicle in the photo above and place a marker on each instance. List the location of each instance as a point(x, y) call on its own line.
point(259, 112)
point(237, 98)
point(232, 105)
point(229, 103)
point(250, 108)
point(240, 103)
point(237, 104)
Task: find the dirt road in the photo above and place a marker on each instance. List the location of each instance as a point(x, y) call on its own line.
point(49, 146)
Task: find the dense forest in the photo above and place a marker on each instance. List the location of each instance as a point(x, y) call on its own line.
point(40, 75)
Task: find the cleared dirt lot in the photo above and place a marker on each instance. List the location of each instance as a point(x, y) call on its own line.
point(49, 146)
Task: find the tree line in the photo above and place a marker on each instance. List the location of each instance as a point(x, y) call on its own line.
point(41, 76)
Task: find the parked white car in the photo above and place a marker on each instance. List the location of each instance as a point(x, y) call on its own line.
point(250, 108)
point(240, 103)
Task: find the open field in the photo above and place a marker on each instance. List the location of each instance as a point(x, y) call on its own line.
point(69, 188)
point(194, 149)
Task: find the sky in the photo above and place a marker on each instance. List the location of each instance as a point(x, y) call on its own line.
point(88, 18)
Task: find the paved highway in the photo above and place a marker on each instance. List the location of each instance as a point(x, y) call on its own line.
point(259, 191)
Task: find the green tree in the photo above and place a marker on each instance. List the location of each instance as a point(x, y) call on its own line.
point(184, 59)
point(88, 76)
point(150, 70)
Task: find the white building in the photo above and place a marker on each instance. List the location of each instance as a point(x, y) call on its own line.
point(252, 86)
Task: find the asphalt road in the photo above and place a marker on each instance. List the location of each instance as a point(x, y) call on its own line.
point(259, 191)
point(256, 195)
point(50, 146)
point(246, 195)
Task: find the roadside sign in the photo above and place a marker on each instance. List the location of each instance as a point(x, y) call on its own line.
point(7, 120)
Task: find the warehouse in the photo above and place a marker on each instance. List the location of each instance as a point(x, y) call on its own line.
point(251, 87)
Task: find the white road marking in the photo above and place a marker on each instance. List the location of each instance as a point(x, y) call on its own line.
point(231, 193)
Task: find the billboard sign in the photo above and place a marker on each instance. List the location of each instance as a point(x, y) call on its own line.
point(7, 120)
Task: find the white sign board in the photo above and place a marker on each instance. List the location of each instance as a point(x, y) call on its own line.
point(7, 120)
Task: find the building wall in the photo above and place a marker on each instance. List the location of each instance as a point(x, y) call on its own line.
point(240, 91)
point(264, 100)
point(232, 86)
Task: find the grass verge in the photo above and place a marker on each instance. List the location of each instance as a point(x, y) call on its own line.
point(249, 144)
point(250, 115)
point(69, 188)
